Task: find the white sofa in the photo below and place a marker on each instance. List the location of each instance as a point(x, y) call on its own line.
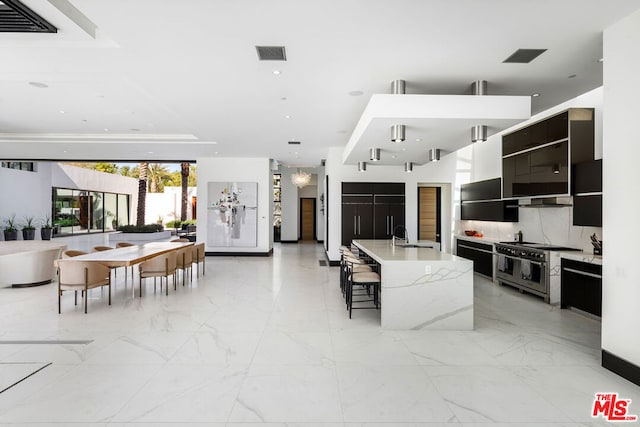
point(28, 263)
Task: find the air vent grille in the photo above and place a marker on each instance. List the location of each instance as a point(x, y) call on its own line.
point(271, 53)
point(524, 56)
point(293, 142)
point(15, 17)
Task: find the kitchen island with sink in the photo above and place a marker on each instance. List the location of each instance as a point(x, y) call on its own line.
point(422, 288)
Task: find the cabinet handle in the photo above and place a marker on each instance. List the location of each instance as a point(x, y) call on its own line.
point(582, 273)
point(386, 223)
point(358, 225)
point(391, 217)
point(355, 227)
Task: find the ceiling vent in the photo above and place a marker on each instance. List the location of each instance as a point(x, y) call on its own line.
point(524, 56)
point(271, 53)
point(293, 142)
point(15, 17)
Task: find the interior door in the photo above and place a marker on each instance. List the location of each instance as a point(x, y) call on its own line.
point(307, 218)
point(429, 213)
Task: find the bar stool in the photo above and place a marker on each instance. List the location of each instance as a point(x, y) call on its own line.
point(370, 282)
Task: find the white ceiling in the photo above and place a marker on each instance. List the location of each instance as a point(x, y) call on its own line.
point(167, 80)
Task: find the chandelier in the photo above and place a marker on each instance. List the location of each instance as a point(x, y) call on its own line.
point(300, 178)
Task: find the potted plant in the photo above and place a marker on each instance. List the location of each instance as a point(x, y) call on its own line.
point(46, 230)
point(28, 229)
point(10, 230)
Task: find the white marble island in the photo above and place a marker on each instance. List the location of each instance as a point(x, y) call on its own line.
point(422, 288)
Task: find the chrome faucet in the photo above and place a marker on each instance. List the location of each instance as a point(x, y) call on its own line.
point(405, 235)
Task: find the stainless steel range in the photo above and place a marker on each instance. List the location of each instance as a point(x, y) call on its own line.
point(525, 265)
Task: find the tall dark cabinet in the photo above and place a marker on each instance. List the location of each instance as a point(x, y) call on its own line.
point(371, 210)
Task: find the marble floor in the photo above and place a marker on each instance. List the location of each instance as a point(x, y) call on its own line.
point(267, 342)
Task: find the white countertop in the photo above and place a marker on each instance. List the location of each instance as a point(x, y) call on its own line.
point(588, 257)
point(486, 240)
point(382, 251)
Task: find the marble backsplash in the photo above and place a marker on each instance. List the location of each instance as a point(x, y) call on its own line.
point(539, 225)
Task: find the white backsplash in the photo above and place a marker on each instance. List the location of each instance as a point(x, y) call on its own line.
point(539, 225)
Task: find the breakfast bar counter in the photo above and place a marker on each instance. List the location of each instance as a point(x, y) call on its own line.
point(422, 288)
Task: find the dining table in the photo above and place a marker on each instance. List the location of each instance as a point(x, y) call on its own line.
point(129, 255)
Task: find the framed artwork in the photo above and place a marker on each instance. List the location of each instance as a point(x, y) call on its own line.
point(232, 214)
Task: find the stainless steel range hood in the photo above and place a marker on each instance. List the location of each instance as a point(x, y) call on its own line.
point(545, 202)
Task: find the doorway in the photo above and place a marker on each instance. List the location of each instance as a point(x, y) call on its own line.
point(429, 213)
point(307, 218)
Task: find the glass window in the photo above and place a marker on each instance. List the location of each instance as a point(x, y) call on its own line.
point(96, 211)
point(66, 211)
point(123, 209)
point(110, 211)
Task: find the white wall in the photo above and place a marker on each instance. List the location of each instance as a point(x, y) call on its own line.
point(167, 205)
point(621, 196)
point(25, 194)
point(239, 170)
point(289, 197)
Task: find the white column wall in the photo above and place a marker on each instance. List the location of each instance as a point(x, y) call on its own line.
point(621, 196)
point(240, 170)
point(319, 211)
point(289, 195)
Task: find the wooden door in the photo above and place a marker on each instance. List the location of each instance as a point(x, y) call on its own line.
point(307, 219)
point(429, 213)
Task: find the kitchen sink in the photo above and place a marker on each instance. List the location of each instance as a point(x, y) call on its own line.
point(413, 245)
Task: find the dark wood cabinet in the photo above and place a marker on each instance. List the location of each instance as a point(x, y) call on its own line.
point(481, 201)
point(357, 221)
point(537, 159)
point(371, 210)
point(587, 190)
point(581, 286)
point(480, 253)
point(388, 214)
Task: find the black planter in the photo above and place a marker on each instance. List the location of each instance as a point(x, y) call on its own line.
point(45, 233)
point(10, 235)
point(28, 234)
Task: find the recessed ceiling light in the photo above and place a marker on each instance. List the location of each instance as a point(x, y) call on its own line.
point(418, 139)
point(277, 72)
point(39, 84)
point(535, 95)
point(215, 152)
point(106, 129)
point(61, 111)
point(394, 156)
point(404, 149)
point(356, 93)
point(572, 76)
point(149, 152)
point(287, 116)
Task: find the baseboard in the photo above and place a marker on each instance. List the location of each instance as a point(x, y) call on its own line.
point(240, 253)
point(331, 263)
point(617, 365)
point(319, 241)
point(288, 241)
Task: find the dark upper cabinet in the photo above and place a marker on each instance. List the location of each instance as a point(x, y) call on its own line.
point(587, 177)
point(552, 129)
point(537, 159)
point(499, 210)
point(587, 208)
point(357, 188)
point(481, 201)
point(489, 189)
point(387, 188)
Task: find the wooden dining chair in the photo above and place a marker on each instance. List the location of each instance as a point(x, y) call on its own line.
point(198, 257)
point(82, 275)
point(71, 253)
point(185, 261)
point(100, 248)
point(181, 239)
point(163, 265)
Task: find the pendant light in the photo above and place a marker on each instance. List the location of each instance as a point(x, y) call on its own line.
point(479, 133)
point(362, 166)
point(374, 155)
point(300, 178)
point(434, 154)
point(408, 167)
point(397, 133)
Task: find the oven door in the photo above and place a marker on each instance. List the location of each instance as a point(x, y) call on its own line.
point(532, 274)
point(505, 267)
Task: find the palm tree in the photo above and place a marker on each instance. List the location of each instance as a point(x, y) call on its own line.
point(158, 174)
point(142, 193)
point(184, 173)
